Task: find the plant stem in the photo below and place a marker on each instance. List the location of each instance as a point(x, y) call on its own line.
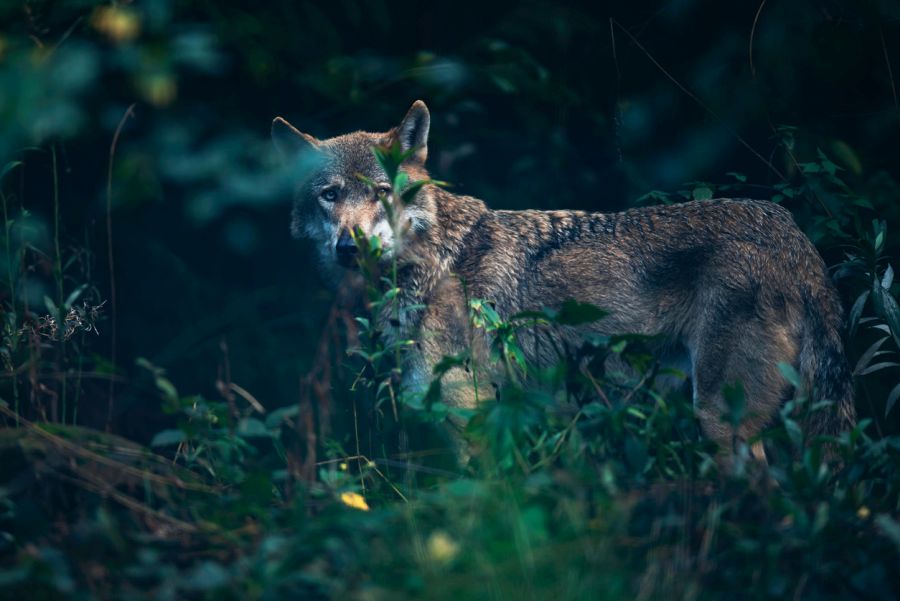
point(57, 275)
point(13, 327)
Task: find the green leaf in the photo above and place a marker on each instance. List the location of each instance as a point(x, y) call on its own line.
point(250, 427)
point(702, 193)
point(826, 163)
point(278, 416)
point(856, 311)
point(653, 196)
point(878, 295)
point(448, 362)
point(738, 176)
point(432, 394)
point(888, 278)
point(634, 411)
point(400, 181)
point(51, 306)
point(736, 402)
point(207, 576)
point(878, 367)
point(70, 300)
point(868, 355)
point(790, 374)
point(879, 234)
point(575, 313)
point(892, 316)
point(391, 157)
point(168, 437)
point(889, 527)
point(794, 432)
point(366, 180)
point(14, 576)
point(168, 390)
point(410, 192)
point(530, 316)
point(9, 167)
point(892, 400)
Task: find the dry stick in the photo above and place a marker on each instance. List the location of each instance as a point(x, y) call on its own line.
point(65, 36)
point(223, 384)
point(369, 464)
point(752, 34)
point(887, 61)
point(789, 152)
point(702, 104)
point(80, 451)
point(57, 275)
point(129, 112)
point(359, 455)
point(612, 37)
point(617, 120)
point(105, 490)
point(245, 394)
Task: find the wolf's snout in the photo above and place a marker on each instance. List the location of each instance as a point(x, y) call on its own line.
point(345, 249)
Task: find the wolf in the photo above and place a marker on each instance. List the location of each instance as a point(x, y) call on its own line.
point(731, 288)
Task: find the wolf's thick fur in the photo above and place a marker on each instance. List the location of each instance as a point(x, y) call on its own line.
point(732, 285)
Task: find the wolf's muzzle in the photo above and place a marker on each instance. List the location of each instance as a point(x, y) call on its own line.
point(345, 249)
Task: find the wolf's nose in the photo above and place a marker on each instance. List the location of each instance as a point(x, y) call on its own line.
point(345, 249)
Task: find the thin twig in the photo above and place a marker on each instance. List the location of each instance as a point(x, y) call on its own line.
point(103, 489)
point(790, 153)
point(424, 469)
point(370, 464)
point(702, 104)
point(586, 373)
point(617, 118)
point(129, 112)
point(612, 38)
point(65, 36)
point(58, 276)
point(245, 394)
point(887, 61)
point(752, 34)
point(80, 451)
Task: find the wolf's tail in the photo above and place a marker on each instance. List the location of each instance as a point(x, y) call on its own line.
point(824, 367)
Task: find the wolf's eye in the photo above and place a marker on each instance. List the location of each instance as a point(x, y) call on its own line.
point(382, 190)
point(329, 195)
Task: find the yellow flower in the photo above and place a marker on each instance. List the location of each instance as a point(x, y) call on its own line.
point(863, 512)
point(117, 23)
point(442, 548)
point(354, 500)
point(158, 89)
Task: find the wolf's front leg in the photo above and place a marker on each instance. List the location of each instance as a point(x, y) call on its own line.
point(457, 391)
point(445, 331)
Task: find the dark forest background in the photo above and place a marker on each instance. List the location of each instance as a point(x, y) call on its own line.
point(142, 128)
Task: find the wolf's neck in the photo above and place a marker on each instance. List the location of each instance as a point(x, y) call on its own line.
point(437, 250)
point(456, 216)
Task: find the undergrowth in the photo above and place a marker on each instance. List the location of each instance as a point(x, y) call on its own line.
point(576, 482)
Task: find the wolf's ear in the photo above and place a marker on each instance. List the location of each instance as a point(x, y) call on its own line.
point(289, 140)
point(413, 130)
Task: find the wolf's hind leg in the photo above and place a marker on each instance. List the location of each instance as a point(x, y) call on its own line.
point(746, 353)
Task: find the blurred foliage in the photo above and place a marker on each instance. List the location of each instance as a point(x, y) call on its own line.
point(292, 470)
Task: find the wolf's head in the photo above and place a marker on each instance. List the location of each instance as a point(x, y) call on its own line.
point(340, 180)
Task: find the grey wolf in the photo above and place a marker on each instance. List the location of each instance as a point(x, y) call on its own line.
point(731, 287)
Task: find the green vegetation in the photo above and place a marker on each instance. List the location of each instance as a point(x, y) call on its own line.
point(157, 318)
